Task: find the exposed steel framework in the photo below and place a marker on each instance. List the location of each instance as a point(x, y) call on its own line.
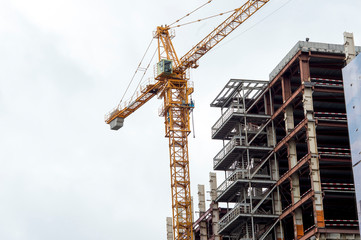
point(175, 90)
point(286, 153)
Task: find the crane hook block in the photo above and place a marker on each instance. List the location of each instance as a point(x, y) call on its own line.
point(116, 123)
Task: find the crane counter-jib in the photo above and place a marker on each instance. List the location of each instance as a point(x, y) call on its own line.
point(116, 117)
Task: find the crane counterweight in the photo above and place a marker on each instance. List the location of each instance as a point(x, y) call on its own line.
point(116, 123)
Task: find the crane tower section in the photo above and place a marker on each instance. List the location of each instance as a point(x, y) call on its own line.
point(176, 109)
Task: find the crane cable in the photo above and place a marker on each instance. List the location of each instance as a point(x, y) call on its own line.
point(255, 24)
point(145, 71)
point(188, 14)
point(206, 18)
point(199, 20)
point(136, 71)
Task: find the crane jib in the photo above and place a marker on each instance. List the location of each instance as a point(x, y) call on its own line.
point(219, 33)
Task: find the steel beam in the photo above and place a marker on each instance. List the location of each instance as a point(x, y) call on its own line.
point(293, 207)
point(291, 171)
point(291, 134)
point(328, 56)
point(287, 102)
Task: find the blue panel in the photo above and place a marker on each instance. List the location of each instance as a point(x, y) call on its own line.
point(357, 178)
point(352, 87)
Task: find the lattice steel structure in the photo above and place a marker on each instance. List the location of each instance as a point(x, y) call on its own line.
point(285, 154)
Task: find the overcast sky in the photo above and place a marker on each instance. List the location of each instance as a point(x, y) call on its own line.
point(64, 64)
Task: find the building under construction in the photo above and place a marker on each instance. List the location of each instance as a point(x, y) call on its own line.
point(286, 154)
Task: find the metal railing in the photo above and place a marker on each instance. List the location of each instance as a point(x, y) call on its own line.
point(190, 84)
point(331, 116)
point(129, 102)
point(334, 151)
point(233, 214)
point(235, 141)
point(237, 175)
point(224, 118)
point(240, 208)
point(161, 110)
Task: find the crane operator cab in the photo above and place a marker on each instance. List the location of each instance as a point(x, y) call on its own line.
point(164, 68)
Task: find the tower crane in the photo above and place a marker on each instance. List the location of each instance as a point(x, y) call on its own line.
point(173, 86)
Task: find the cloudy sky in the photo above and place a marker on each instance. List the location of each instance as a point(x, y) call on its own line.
point(64, 64)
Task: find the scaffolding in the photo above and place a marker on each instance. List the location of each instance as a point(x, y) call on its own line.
point(286, 155)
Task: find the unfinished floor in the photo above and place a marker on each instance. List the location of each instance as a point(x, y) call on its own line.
point(286, 155)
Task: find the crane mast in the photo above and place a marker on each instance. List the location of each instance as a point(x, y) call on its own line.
point(176, 109)
point(173, 85)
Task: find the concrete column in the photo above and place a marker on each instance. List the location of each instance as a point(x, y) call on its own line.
point(292, 160)
point(350, 51)
point(215, 210)
point(318, 212)
point(202, 210)
point(169, 228)
point(201, 200)
point(315, 165)
point(295, 189)
point(271, 142)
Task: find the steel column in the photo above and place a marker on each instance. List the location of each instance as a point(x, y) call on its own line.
point(271, 142)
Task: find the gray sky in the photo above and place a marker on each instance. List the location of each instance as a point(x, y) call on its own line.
point(64, 174)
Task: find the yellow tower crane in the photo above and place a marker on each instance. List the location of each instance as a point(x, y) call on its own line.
point(171, 84)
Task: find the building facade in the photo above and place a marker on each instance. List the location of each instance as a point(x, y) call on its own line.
point(286, 153)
